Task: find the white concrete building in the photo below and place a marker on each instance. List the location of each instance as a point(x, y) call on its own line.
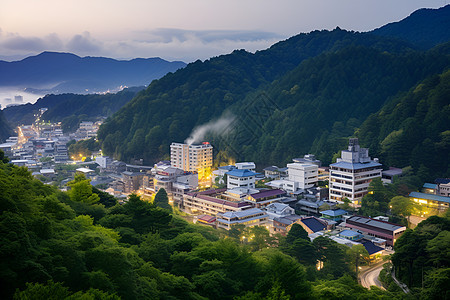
point(241, 179)
point(303, 175)
point(351, 175)
point(192, 158)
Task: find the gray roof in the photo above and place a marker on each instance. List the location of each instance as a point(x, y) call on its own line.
point(355, 166)
point(374, 223)
point(242, 213)
point(430, 197)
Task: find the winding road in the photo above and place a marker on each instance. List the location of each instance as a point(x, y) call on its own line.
point(369, 276)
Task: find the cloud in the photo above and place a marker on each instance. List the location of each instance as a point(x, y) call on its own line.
point(84, 44)
point(190, 45)
point(168, 43)
point(19, 43)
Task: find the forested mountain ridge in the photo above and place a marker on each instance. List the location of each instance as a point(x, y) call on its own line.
point(424, 28)
point(414, 129)
point(302, 75)
point(325, 99)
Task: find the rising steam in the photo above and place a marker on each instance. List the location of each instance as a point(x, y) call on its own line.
point(219, 126)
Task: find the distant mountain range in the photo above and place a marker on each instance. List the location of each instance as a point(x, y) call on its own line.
point(53, 72)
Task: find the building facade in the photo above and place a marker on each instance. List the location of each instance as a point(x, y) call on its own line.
point(376, 228)
point(303, 175)
point(241, 178)
point(351, 175)
point(192, 158)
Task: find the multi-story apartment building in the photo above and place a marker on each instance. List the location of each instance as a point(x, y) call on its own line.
point(351, 175)
point(192, 158)
point(303, 175)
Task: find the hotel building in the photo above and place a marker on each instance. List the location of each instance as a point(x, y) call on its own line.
point(192, 158)
point(351, 175)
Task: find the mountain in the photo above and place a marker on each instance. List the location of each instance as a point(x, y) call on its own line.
point(70, 109)
point(53, 72)
point(322, 67)
point(414, 129)
point(425, 28)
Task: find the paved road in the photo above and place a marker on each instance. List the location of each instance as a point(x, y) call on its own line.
point(369, 276)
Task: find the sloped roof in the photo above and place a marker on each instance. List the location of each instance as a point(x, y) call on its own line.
point(241, 173)
point(430, 186)
point(371, 247)
point(429, 197)
point(242, 213)
point(334, 212)
point(314, 224)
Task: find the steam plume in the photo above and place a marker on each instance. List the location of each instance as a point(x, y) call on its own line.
point(218, 126)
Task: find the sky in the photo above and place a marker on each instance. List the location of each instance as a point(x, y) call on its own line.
point(184, 30)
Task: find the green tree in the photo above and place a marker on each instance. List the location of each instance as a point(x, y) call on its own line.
point(81, 190)
point(162, 200)
point(296, 232)
point(357, 254)
point(402, 206)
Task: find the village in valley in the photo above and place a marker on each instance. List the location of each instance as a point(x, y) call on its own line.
point(324, 200)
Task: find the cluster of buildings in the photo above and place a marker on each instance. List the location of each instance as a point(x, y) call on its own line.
point(42, 145)
point(434, 198)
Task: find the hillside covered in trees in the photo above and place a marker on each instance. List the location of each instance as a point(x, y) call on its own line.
point(305, 94)
point(414, 129)
point(82, 244)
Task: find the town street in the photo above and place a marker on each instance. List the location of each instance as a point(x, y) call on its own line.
point(369, 276)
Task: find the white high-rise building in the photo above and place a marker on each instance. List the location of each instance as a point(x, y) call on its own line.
point(303, 175)
point(351, 175)
point(192, 158)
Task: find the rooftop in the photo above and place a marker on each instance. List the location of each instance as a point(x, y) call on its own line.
point(241, 173)
point(355, 166)
point(430, 186)
point(267, 193)
point(242, 214)
point(370, 247)
point(334, 212)
point(349, 233)
point(374, 223)
point(314, 224)
point(393, 171)
point(429, 197)
point(442, 180)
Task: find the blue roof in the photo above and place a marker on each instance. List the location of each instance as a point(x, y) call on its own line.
point(429, 197)
point(314, 224)
point(334, 212)
point(349, 233)
point(241, 173)
point(430, 186)
point(371, 247)
point(355, 166)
